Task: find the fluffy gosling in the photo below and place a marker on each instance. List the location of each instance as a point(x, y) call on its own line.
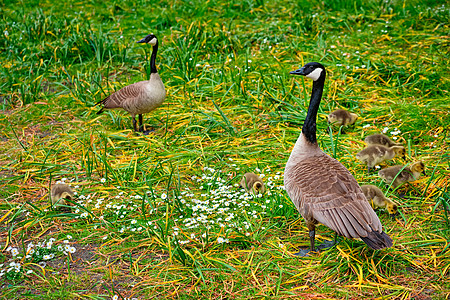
point(59, 193)
point(341, 117)
point(397, 175)
point(380, 139)
point(375, 154)
point(377, 199)
point(252, 183)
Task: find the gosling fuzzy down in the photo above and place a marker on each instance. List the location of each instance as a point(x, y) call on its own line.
point(341, 117)
point(252, 183)
point(380, 139)
point(60, 192)
point(397, 175)
point(374, 154)
point(377, 199)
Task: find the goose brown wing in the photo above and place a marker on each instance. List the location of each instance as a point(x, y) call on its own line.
point(322, 188)
point(126, 94)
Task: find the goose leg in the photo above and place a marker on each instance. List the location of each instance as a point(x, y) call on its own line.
point(142, 128)
point(312, 237)
point(141, 123)
point(134, 123)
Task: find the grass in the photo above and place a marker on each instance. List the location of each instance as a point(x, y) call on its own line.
point(160, 216)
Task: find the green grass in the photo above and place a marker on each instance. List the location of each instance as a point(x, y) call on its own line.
point(160, 216)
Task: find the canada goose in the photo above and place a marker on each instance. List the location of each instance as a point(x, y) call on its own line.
point(140, 97)
point(374, 154)
point(252, 183)
point(380, 139)
point(376, 198)
point(60, 192)
point(397, 175)
point(321, 188)
point(341, 117)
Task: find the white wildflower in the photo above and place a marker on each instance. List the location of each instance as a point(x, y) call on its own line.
point(14, 252)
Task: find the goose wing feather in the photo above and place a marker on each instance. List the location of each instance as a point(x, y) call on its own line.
point(324, 190)
point(126, 95)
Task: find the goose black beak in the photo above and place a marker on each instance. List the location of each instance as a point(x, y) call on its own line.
point(141, 41)
point(300, 71)
point(423, 172)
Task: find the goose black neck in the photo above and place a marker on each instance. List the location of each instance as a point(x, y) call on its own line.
point(309, 127)
point(153, 59)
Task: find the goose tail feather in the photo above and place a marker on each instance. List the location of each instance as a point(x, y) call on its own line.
point(377, 240)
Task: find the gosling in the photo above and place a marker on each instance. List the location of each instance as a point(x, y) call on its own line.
point(380, 139)
point(375, 154)
point(61, 192)
point(397, 175)
point(252, 183)
point(377, 199)
point(341, 117)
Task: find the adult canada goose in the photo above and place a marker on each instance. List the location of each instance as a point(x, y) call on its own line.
point(377, 199)
point(321, 188)
point(140, 97)
point(341, 117)
point(380, 139)
point(397, 175)
point(374, 154)
point(252, 183)
point(60, 192)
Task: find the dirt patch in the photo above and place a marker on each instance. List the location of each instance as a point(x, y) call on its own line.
point(77, 262)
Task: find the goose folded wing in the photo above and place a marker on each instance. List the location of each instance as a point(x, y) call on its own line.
point(126, 94)
point(329, 193)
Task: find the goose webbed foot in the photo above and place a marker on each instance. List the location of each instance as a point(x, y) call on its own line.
point(393, 216)
point(146, 132)
point(329, 244)
point(312, 248)
point(326, 245)
point(303, 252)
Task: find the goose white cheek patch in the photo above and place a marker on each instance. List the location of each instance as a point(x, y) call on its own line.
point(314, 75)
point(152, 41)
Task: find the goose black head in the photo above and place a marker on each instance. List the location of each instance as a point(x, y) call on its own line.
point(313, 70)
point(149, 39)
